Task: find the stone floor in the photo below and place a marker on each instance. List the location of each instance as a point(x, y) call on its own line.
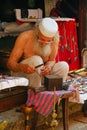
point(15, 121)
point(73, 125)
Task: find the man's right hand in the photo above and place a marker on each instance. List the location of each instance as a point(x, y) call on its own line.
point(28, 69)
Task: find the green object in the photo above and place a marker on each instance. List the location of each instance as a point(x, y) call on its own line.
point(31, 3)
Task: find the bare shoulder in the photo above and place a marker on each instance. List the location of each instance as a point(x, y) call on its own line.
point(26, 34)
point(24, 37)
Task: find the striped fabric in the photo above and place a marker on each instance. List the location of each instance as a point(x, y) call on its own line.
point(43, 102)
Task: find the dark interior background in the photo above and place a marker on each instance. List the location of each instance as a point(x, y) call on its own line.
point(68, 7)
point(7, 7)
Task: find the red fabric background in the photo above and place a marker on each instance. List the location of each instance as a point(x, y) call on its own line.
point(68, 46)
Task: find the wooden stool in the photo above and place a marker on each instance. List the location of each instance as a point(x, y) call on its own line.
point(27, 111)
point(65, 112)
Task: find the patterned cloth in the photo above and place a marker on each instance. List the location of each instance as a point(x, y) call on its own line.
point(43, 102)
point(68, 47)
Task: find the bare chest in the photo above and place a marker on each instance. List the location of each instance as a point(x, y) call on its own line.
point(30, 50)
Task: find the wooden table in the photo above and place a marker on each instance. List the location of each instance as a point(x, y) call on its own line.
point(13, 91)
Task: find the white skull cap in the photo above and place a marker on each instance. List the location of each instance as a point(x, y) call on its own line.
point(48, 27)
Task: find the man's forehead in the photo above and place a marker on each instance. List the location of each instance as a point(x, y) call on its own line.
point(43, 37)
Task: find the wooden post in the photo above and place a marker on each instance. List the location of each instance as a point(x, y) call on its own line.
point(27, 110)
point(65, 112)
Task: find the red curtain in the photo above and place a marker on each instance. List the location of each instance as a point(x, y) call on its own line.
point(68, 46)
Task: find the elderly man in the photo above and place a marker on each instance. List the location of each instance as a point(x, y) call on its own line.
point(37, 47)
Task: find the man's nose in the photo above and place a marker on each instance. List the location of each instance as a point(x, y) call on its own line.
point(43, 43)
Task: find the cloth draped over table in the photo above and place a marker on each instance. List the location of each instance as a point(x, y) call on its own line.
point(43, 102)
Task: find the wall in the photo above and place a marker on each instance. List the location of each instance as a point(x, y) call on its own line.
point(49, 4)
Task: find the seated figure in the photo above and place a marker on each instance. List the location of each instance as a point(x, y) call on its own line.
point(38, 46)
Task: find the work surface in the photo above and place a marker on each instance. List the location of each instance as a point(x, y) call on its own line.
point(10, 82)
point(77, 84)
point(13, 91)
point(78, 79)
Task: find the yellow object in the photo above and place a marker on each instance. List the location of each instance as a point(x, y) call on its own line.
point(3, 125)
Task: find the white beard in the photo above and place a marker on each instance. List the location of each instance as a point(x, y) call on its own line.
point(42, 50)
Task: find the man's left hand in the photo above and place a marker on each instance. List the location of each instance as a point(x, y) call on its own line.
point(45, 70)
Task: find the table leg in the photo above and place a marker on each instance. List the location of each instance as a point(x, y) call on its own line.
point(34, 120)
point(27, 110)
point(65, 112)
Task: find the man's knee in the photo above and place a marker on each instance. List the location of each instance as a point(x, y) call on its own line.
point(63, 65)
point(61, 69)
point(33, 60)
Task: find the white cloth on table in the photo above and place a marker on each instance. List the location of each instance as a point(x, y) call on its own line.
point(9, 82)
